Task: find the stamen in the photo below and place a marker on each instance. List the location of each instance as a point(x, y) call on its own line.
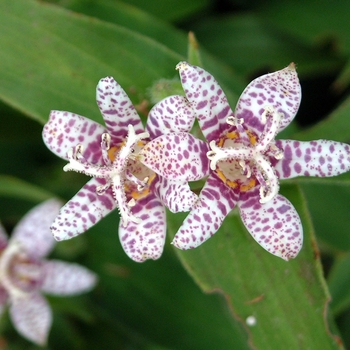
point(101, 190)
point(272, 120)
point(238, 123)
point(275, 151)
point(271, 187)
point(105, 146)
point(113, 172)
point(245, 169)
point(217, 153)
point(131, 202)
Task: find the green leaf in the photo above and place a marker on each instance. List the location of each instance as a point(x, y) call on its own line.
point(170, 10)
point(335, 127)
point(53, 59)
point(288, 300)
point(157, 28)
point(16, 188)
point(247, 43)
point(338, 283)
point(156, 295)
point(328, 202)
point(322, 22)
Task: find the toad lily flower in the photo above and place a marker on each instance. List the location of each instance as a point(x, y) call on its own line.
point(109, 156)
point(246, 161)
point(25, 274)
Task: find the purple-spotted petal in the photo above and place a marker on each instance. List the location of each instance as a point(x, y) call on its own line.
point(207, 98)
point(66, 130)
point(280, 90)
point(61, 278)
point(84, 210)
point(275, 225)
point(178, 156)
point(173, 114)
point(216, 201)
point(32, 317)
point(315, 158)
point(117, 110)
point(33, 231)
point(176, 196)
point(145, 240)
point(3, 238)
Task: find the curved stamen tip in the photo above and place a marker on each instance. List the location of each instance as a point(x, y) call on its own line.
point(213, 155)
point(232, 120)
point(127, 219)
point(105, 141)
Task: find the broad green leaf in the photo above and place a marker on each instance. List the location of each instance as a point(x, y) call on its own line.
point(287, 300)
point(335, 127)
point(54, 58)
point(156, 295)
point(328, 202)
point(325, 22)
point(16, 188)
point(170, 10)
point(248, 44)
point(338, 283)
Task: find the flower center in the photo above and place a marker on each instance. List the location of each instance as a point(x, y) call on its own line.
point(19, 274)
point(242, 159)
point(128, 179)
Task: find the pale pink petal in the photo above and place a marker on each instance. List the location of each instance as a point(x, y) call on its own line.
point(33, 231)
point(275, 225)
point(61, 278)
point(145, 240)
point(216, 201)
point(178, 156)
point(3, 238)
point(280, 90)
point(177, 196)
point(207, 98)
point(65, 130)
point(84, 210)
point(316, 158)
point(31, 315)
point(117, 110)
point(173, 114)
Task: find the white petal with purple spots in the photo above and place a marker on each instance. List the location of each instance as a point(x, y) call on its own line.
point(84, 210)
point(32, 317)
point(280, 90)
point(173, 114)
point(315, 158)
point(275, 225)
point(66, 130)
point(61, 278)
point(215, 202)
point(33, 231)
point(178, 156)
point(176, 195)
point(207, 98)
point(145, 240)
point(117, 109)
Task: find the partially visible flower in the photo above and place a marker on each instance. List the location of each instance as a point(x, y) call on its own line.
point(109, 155)
point(246, 161)
point(25, 274)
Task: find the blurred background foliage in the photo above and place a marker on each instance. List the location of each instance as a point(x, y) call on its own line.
point(52, 55)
